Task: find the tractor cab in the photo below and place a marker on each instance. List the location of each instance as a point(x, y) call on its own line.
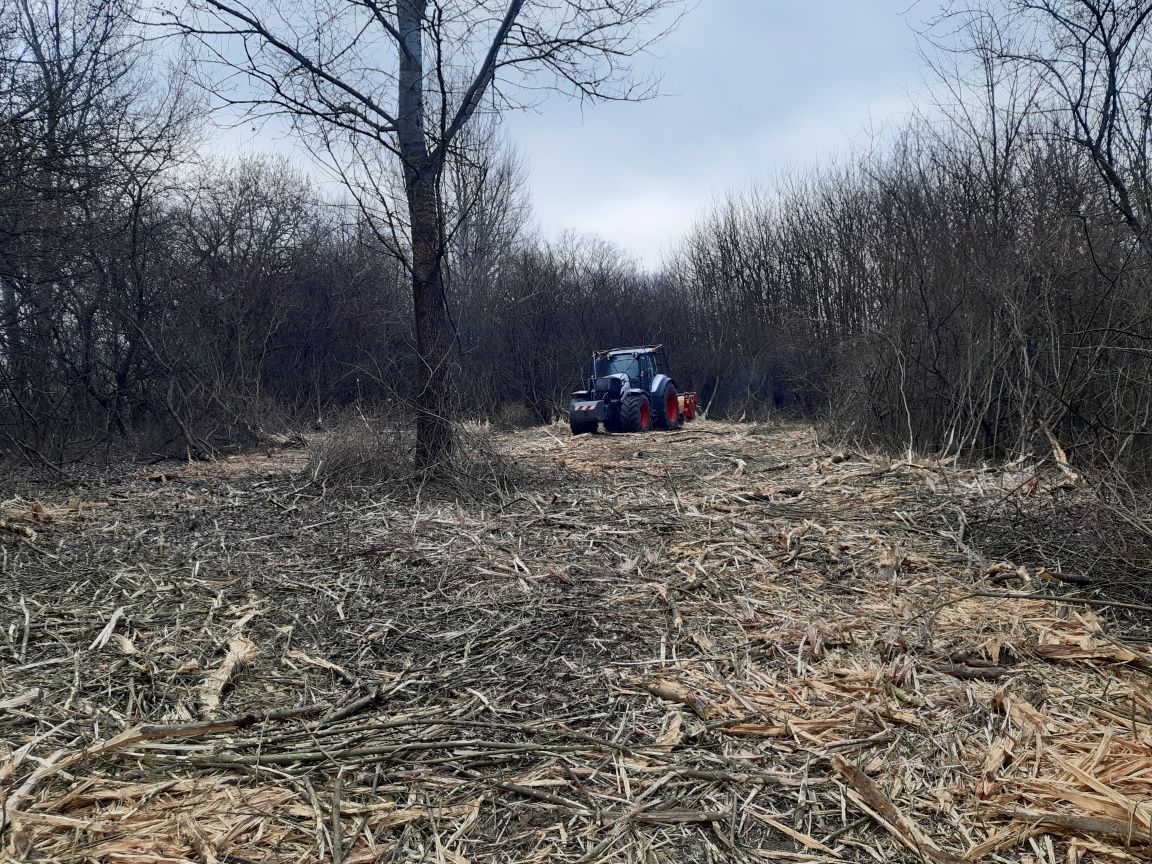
point(633, 365)
point(638, 366)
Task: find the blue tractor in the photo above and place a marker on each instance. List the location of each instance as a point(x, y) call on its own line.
point(630, 390)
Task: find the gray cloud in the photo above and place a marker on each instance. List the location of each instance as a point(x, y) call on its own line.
point(750, 87)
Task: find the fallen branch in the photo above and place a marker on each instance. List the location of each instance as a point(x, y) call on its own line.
point(983, 673)
point(1130, 832)
point(241, 650)
point(681, 816)
point(1056, 598)
point(880, 806)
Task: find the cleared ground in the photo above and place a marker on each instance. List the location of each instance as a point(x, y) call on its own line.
point(729, 643)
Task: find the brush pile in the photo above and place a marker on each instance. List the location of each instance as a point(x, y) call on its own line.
point(723, 644)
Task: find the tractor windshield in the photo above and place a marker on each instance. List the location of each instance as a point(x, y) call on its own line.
point(616, 364)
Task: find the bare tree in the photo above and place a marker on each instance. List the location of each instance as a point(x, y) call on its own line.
point(408, 76)
point(1093, 62)
point(84, 139)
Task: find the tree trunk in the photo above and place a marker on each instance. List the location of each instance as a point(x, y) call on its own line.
point(434, 377)
point(10, 329)
point(421, 181)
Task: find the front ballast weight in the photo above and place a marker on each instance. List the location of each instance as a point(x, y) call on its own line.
point(630, 390)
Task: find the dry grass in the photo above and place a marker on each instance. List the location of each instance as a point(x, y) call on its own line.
point(1089, 544)
point(721, 644)
point(359, 454)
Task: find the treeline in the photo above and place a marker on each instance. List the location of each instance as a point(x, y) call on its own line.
point(970, 287)
point(980, 285)
point(927, 302)
point(161, 300)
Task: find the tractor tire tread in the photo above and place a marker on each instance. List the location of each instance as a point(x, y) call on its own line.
point(659, 410)
point(631, 413)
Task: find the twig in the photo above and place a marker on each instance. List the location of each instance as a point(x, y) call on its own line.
point(353, 708)
point(1130, 832)
point(27, 627)
point(1055, 598)
point(337, 842)
point(680, 816)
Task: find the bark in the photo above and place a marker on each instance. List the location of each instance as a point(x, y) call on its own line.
point(421, 182)
point(13, 356)
point(8, 316)
point(433, 329)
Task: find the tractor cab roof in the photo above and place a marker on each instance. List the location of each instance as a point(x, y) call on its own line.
point(640, 349)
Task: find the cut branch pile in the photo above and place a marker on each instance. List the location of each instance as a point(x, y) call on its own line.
point(722, 644)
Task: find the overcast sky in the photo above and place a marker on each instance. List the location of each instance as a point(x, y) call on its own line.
point(750, 88)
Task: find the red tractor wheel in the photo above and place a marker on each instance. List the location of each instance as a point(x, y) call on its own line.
point(635, 413)
point(668, 414)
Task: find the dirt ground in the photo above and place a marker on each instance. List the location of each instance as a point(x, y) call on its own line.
point(729, 643)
